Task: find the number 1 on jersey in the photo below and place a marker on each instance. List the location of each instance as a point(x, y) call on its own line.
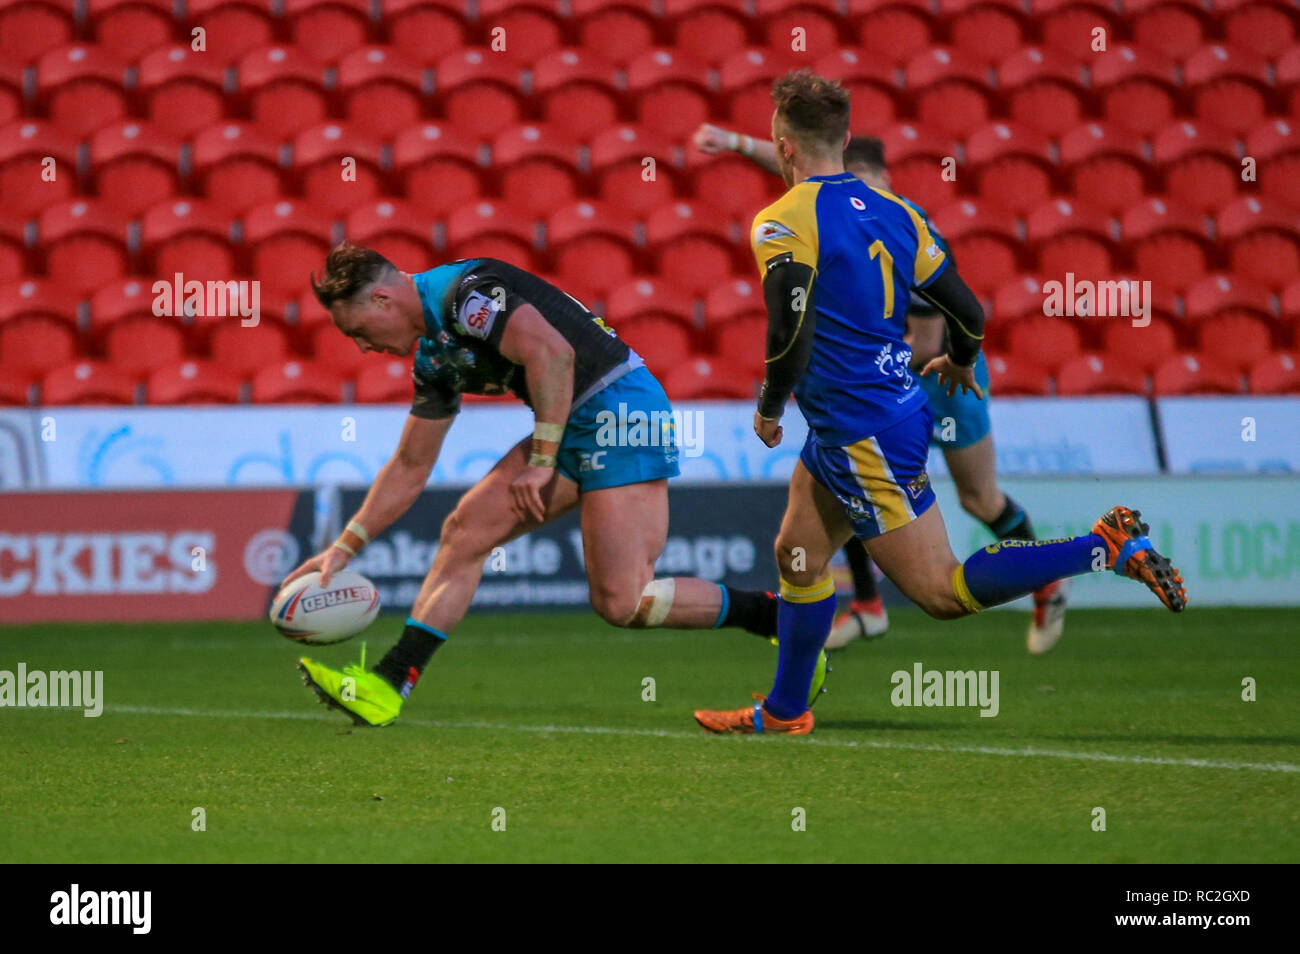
point(886, 274)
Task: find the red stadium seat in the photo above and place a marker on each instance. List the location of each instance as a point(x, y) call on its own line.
point(327, 29)
point(1138, 86)
point(479, 90)
point(662, 342)
point(1048, 341)
point(1219, 294)
point(236, 166)
point(187, 236)
point(618, 32)
point(1188, 373)
point(86, 382)
point(246, 350)
point(381, 90)
point(1094, 374)
point(388, 382)
point(13, 248)
point(1043, 90)
point(1275, 146)
point(332, 349)
point(84, 243)
point(296, 382)
point(820, 23)
point(129, 28)
point(537, 167)
point(531, 28)
point(731, 183)
point(25, 179)
point(425, 30)
point(395, 230)
point(734, 300)
point(578, 91)
point(1177, 29)
point(288, 240)
point(1291, 304)
point(1067, 27)
point(134, 166)
point(746, 76)
point(1017, 376)
point(1107, 165)
point(283, 89)
point(892, 31)
point(138, 346)
point(33, 345)
point(182, 88)
point(321, 157)
point(11, 91)
point(950, 90)
point(617, 156)
point(1012, 165)
point(916, 155)
point(707, 31)
point(743, 342)
point(38, 298)
point(870, 83)
point(232, 28)
point(310, 313)
point(1018, 297)
point(30, 28)
point(692, 244)
point(670, 91)
point(1237, 340)
point(984, 241)
point(1169, 242)
point(1146, 346)
point(593, 243)
point(437, 165)
point(1276, 374)
point(1261, 236)
point(14, 391)
point(491, 230)
point(1229, 86)
point(1068, 236)
point(709, 378)
point(192, 382)
point(129, 298)
point(1262, 29)
point(984, 31)
point(644, 298)
point(81, 86)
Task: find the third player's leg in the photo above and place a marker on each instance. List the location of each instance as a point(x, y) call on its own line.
point(483, 519)
point(974, 471)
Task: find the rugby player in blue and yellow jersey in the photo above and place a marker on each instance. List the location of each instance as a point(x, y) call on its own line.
point(604, 442)
point(839, 261)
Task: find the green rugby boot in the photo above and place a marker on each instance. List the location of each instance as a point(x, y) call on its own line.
point(364, 696)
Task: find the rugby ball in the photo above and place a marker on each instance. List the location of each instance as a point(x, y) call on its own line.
point(306, 612)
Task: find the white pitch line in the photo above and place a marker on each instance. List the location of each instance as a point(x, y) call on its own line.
point(671, 734)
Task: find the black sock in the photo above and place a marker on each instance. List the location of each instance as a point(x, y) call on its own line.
point(402, 666)
point(864, 581)
point(1012, 523)
point(751, 610)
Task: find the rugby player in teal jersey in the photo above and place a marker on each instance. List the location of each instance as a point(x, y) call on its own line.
point(962, 429)
point(839, 261)
point(484, 326)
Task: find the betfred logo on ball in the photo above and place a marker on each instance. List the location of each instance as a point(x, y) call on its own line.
point(306, 612)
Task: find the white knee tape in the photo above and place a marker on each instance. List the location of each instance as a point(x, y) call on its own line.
point(656, 601)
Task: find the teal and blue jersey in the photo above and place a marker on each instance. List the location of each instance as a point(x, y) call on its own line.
point(868, 249)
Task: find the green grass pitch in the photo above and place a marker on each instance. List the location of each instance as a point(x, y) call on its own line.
point(542, 716)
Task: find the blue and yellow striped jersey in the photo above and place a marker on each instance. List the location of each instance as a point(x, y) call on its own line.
point(868, 249)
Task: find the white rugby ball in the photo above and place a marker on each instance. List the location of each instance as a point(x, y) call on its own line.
point(306, 612)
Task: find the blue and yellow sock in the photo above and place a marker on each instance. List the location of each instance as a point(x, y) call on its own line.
point(1009, 569)
point(803, 621)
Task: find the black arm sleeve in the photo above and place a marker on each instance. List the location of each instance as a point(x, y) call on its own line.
point(787, 285)
point(961, 312)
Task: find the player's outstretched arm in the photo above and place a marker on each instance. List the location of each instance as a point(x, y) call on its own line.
point(547, 358)
point(964, 316)
point(711, 140)
point(396, 487)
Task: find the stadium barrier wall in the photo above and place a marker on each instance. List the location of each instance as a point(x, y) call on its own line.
point(133, 447)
